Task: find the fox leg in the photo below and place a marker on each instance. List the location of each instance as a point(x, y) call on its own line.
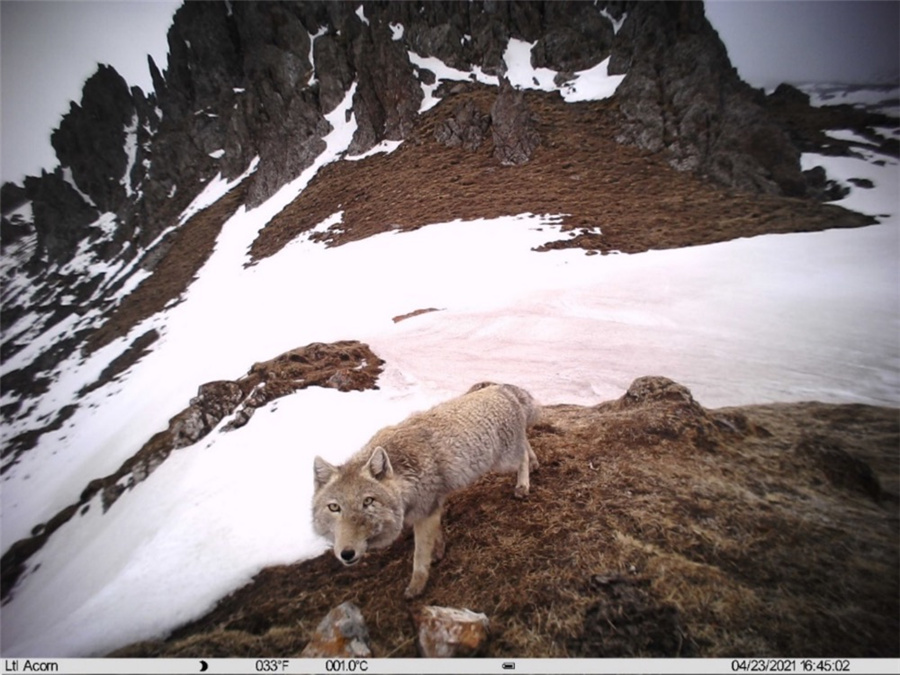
point(523, 478)
point(429, 541)
point(532, 458)
point(438, 551)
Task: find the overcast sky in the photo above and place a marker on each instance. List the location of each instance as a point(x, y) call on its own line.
point(49, 48)
point(809, 40)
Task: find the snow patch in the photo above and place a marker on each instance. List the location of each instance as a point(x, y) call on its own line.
point(881, 170)
point(217, 188)
point(592, 84)
point(519, 71)
point(443, 72)
point(312, 60)
point(70, 179)
point(131, 145)
point(385, 147)
point(616, 23)
point(884, 99)
point(848, 135)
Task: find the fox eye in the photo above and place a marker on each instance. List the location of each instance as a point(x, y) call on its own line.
point(368, 501)
point(334, 508)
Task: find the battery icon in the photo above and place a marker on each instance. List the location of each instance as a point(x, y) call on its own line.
point(508, 666)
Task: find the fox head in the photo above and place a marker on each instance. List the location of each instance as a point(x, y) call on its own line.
point(356, 506)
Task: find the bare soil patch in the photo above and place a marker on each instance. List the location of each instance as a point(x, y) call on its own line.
point(613, 196)
point(654, 527)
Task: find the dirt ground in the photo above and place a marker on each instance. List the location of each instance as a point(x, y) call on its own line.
point(654, 528)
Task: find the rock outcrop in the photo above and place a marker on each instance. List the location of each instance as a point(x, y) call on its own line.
point(448, 632)
point(248, 80)
point(345, 366)
point(342, 633)
point(513, 126)
point(576, 37)
point(91, 139)
point(681, 95)
point(467, 128)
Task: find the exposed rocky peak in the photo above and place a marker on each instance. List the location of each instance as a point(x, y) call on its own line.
point(275, 101)
point(91, 138)
point(61, 214)
point(681, 95)
point(388, 95)
point(203, 62)
point(248, 80)
point(193, 92)
point(578, 37)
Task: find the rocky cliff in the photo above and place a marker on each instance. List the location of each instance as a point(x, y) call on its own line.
point(256, 79)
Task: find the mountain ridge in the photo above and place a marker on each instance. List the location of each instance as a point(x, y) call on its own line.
point(242, 78)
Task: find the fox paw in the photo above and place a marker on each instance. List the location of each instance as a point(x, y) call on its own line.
point(521, 491)
point(416, 586)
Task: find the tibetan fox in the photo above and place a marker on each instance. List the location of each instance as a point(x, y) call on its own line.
point(405, 472)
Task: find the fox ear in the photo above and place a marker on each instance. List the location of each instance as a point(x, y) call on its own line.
point(380, 465)
point(323, 472)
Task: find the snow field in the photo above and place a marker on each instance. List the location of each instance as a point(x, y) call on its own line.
point(158, 555)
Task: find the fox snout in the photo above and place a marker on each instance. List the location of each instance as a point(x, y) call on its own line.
point(348, 556)
point(349, 549)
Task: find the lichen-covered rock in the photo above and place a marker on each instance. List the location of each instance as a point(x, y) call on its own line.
point(467, 128)
point(445, 632)
point(342, 632)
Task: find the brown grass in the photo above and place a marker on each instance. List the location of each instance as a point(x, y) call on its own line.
point(636, 199)
point(654, 528)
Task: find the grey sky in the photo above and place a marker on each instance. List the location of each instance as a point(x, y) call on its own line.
point(49, 48)
point(778, 41)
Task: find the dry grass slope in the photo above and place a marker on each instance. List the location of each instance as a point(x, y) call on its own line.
point(654, 528)
point(636, 199)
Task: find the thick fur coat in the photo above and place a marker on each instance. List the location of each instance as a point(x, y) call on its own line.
point(405, 472)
